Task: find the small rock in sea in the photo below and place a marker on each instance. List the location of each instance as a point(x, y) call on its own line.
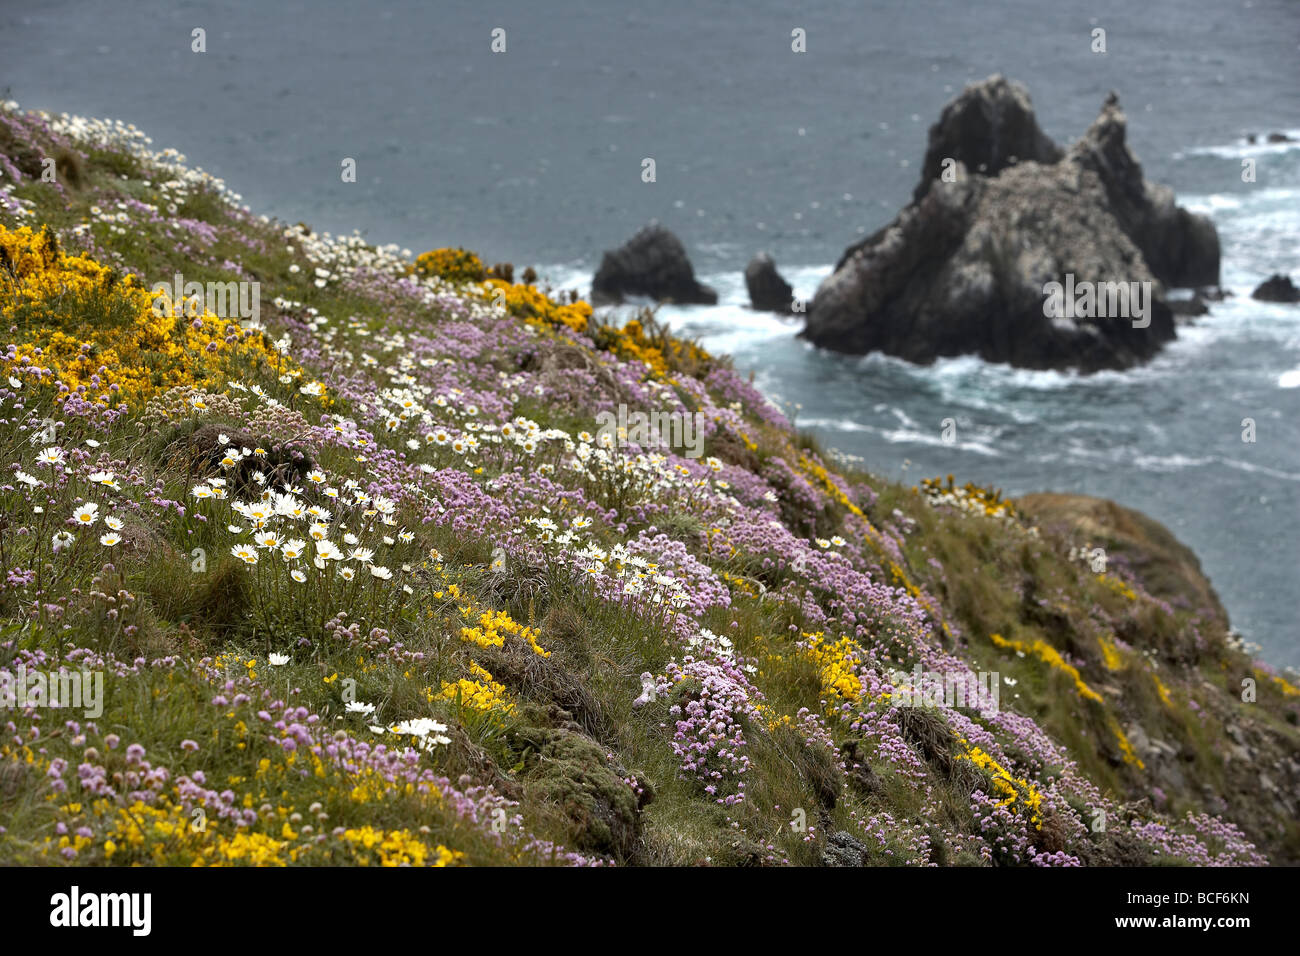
point(1277, 288)
point(652, 263)
point(768, 292)
point(1188, 308)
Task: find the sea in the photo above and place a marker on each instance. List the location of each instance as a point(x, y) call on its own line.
point(521, 130)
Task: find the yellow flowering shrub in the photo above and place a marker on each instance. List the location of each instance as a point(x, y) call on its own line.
point(76, 316)
point(492, 627)
point(1111, 656)
point(1118, 586)
point(1285, 686)
point(1052, 658)
point(483, 694)
point(369, 845)
point(531, 305)
point(970, 498)
point(454, 265)
point(835, 665)
point(1125, 747)
point(654, 346)
point(1017, 793)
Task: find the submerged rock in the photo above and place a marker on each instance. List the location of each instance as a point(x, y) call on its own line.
point(652, 263)
point(1046, 259)
point(1189, 308)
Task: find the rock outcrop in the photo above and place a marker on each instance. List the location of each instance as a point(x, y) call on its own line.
point(652, 263)
point(1277, 288)
point(987, 128)
point(1180, 247)
point(968, 266)
point(768, 292)
point(1167, 568)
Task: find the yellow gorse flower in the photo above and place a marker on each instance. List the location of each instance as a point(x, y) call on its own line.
point(77, 316)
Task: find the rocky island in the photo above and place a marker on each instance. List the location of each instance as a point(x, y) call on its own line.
point(1001, 216)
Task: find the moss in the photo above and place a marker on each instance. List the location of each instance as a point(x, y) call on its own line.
point(572, 774)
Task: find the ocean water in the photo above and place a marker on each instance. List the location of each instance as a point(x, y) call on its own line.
point(534, 156)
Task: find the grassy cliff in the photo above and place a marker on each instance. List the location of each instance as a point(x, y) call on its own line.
point(369, 579)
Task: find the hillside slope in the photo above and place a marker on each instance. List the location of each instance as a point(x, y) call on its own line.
point(372, 577)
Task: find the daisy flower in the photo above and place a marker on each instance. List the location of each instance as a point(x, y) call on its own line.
point(244, 553)
point(328, 551)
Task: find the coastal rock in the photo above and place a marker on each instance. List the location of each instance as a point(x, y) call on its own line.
point(652, 263)
point(963, 271)
point(965, 267)
point(988, 127)
point(1277, 288)
point(768, 292)
point(1180, 247)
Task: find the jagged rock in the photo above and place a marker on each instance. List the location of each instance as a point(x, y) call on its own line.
point(1180, 247)
point(652, 263)
point(1277, 288)
point(964, 271)
point(768, 292)
point(965, 267)
point(1280, 138)
point(988, 127)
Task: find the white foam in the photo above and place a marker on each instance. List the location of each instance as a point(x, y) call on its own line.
point(1242, 148)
